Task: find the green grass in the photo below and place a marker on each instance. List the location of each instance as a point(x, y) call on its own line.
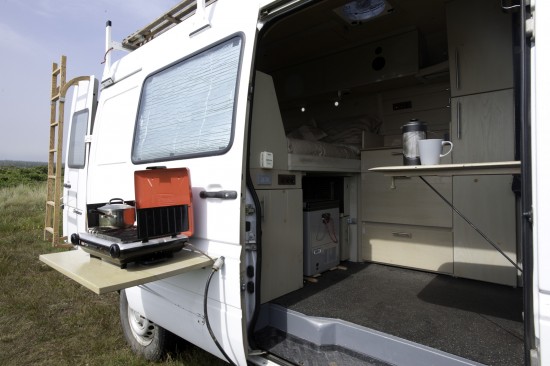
point(11, 176)
point(46, 318)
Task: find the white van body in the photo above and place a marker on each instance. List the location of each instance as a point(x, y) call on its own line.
point(242, 82)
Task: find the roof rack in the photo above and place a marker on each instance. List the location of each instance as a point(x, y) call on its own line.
point(171, 18)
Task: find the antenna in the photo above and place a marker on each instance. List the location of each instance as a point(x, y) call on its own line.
point(110, 45)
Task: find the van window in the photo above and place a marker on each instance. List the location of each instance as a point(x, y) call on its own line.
point(186, 110)
point(77, 146)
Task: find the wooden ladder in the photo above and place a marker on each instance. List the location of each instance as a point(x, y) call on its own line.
point(55, 156)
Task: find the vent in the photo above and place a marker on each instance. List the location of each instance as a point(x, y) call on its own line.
point(357, 12)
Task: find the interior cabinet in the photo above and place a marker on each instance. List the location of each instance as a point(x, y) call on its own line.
point(282, 242)
point(405, 223)
point(409, 225)
point(406, 201)
point(483, 131)
point(487, 201)
point(479, 36)
point(482, 127)
point(426, 248)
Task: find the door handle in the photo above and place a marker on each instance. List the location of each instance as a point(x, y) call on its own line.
point(458, 120)
point(67, 185)
point(457, 69)
point(401, 234)
point(224, 195)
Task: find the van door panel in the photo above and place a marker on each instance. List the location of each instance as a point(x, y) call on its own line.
point(76, 162)
point(218, 223)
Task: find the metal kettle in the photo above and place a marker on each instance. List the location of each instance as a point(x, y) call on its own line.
point(413, 131)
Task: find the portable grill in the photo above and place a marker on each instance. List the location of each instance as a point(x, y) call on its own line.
point(164, 214)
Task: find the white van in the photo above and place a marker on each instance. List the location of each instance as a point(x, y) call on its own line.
point(305, 239)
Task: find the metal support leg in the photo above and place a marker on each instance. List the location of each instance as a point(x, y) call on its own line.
point(472, 225)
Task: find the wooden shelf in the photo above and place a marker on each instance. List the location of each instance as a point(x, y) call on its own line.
point(102, 277)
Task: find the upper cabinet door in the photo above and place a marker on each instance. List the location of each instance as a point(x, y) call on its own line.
point(480, 46)
point(482, 127)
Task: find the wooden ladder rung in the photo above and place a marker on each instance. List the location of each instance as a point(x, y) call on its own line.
point(55, 124)
point(53, 150)
point(50, 203)
point(52, 177)
point(49, 229)
point(56, 71)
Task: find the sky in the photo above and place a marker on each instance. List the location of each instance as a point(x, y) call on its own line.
point(33, 35)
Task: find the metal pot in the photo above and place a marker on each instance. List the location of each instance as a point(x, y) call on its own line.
point(117, 214)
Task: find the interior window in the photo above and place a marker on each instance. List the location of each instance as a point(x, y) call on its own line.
point(186, 110)
point(77, 145)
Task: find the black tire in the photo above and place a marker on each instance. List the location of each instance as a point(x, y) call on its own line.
point(146, 338)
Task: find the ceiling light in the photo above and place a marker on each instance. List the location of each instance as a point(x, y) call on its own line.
point(359, 11)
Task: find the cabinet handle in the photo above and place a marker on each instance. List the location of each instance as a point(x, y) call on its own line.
point(457, 69)
point(402, 234)
point(458, 120)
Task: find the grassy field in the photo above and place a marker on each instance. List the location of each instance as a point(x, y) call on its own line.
point(46, 318)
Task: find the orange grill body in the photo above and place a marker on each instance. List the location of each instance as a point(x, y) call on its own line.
point(162, 196)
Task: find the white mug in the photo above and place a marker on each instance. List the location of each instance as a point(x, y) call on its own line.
point(430, 150)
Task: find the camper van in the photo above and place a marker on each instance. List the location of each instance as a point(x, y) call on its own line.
point(250, 177)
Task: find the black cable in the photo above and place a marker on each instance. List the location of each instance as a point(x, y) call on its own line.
point(208, 322)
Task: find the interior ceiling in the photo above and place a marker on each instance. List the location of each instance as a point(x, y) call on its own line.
point(318, 30)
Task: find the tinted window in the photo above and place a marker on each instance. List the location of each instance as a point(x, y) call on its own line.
point(187, 109)
point(77, 146)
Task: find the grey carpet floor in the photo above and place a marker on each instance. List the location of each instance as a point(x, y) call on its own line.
point(471, 319)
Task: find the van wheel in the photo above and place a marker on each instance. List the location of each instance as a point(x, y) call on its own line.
point(146, 338)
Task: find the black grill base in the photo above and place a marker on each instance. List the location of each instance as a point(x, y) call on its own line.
point(121, 254)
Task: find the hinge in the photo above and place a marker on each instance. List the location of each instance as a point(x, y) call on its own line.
point(514, 6)
point(250, 92)
point(528, 215)
point(530, 28)
point(530, 20)
point(535, 361)
point(88, 139)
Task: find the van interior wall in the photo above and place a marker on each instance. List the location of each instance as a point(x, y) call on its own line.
point(360, 116)
point(316, 59)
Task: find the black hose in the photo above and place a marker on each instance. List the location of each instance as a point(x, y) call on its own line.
point(208, 322)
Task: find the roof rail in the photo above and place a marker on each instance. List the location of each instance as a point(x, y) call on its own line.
point(171, 18)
